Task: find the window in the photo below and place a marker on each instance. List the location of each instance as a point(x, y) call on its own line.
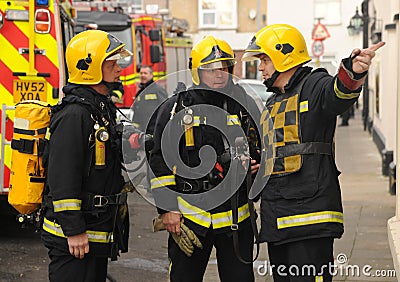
point(218, 14)
point(251, 69)
point(329, 11)
point(136, 5)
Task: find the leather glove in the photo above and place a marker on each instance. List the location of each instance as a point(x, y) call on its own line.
point(130, 187)
point(187, 241)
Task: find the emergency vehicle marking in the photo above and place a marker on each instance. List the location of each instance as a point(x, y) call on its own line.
point(17, 60)
point(17, 34)
point(7, 85)
point(17, 37)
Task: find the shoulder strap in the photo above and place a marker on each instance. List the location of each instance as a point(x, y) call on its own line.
point(72, 99)
point(179, 90)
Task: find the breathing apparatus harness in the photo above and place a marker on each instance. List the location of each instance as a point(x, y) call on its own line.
point(239, 150)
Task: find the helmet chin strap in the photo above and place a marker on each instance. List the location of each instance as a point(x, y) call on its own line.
point(270, 81)
point(112, 85)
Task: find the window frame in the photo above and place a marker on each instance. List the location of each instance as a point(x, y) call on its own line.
point(217, 14)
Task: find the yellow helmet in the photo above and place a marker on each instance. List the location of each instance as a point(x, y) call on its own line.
point(210, 53)
point(86, 53)
point(282, 43)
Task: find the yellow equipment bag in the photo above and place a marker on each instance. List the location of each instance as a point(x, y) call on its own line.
point(27, 178)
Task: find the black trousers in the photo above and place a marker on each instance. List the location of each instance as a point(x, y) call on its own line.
point(64, 267)
point(192, 269)
point(302, 261)
point(67, 268)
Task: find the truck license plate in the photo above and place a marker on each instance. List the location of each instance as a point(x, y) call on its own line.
point(30, 90)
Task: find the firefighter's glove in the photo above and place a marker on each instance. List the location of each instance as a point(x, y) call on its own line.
point(192, 237)
point(183, 243)
point(187, 241)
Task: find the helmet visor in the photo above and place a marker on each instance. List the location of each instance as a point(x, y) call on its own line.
point(251, 55)
point(218, 65)
point(120, 54)
point(252, 51)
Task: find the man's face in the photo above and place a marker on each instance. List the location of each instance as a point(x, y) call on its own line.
point(111, 71)
point(266, 67)
point(214, 78)
point(145, 75)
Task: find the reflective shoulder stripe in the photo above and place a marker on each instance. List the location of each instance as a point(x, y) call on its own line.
point(162, 181)
point(232, 120)
point(150, 97)
point(342, 95)
point(194, 213)
point(67, 205)
point(309, 218)
point(224, 219)
point(319, 278)
point(304, 106)
point(93, 236)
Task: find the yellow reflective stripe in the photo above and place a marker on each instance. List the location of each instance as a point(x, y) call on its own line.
point(93, 236)
point(100, 236)
point(48, 134)
point(196, 121)
point(342, 95)
point(232, 120)
point(206, 219)
point(224, 219)
point(162, 181)
point(194, 213)
point(309, 218)
point(303, 106)
point(319, 278)
point(150, 97)
point(67, 205)
point(53, 228)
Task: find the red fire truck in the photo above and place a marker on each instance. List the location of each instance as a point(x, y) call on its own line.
point(33, 37)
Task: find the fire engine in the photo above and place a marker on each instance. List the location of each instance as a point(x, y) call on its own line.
point(154, 42)
point(33, 37)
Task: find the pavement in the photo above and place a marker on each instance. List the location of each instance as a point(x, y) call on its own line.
point(362, 254)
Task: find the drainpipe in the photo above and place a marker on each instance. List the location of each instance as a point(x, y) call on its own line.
point(365, 15)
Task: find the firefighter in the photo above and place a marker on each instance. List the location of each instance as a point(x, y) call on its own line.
point(301, 206)
point(148, 98)
point(82, 226)
point(211, 64)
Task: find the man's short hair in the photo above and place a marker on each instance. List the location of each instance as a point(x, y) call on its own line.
point(147, 67)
